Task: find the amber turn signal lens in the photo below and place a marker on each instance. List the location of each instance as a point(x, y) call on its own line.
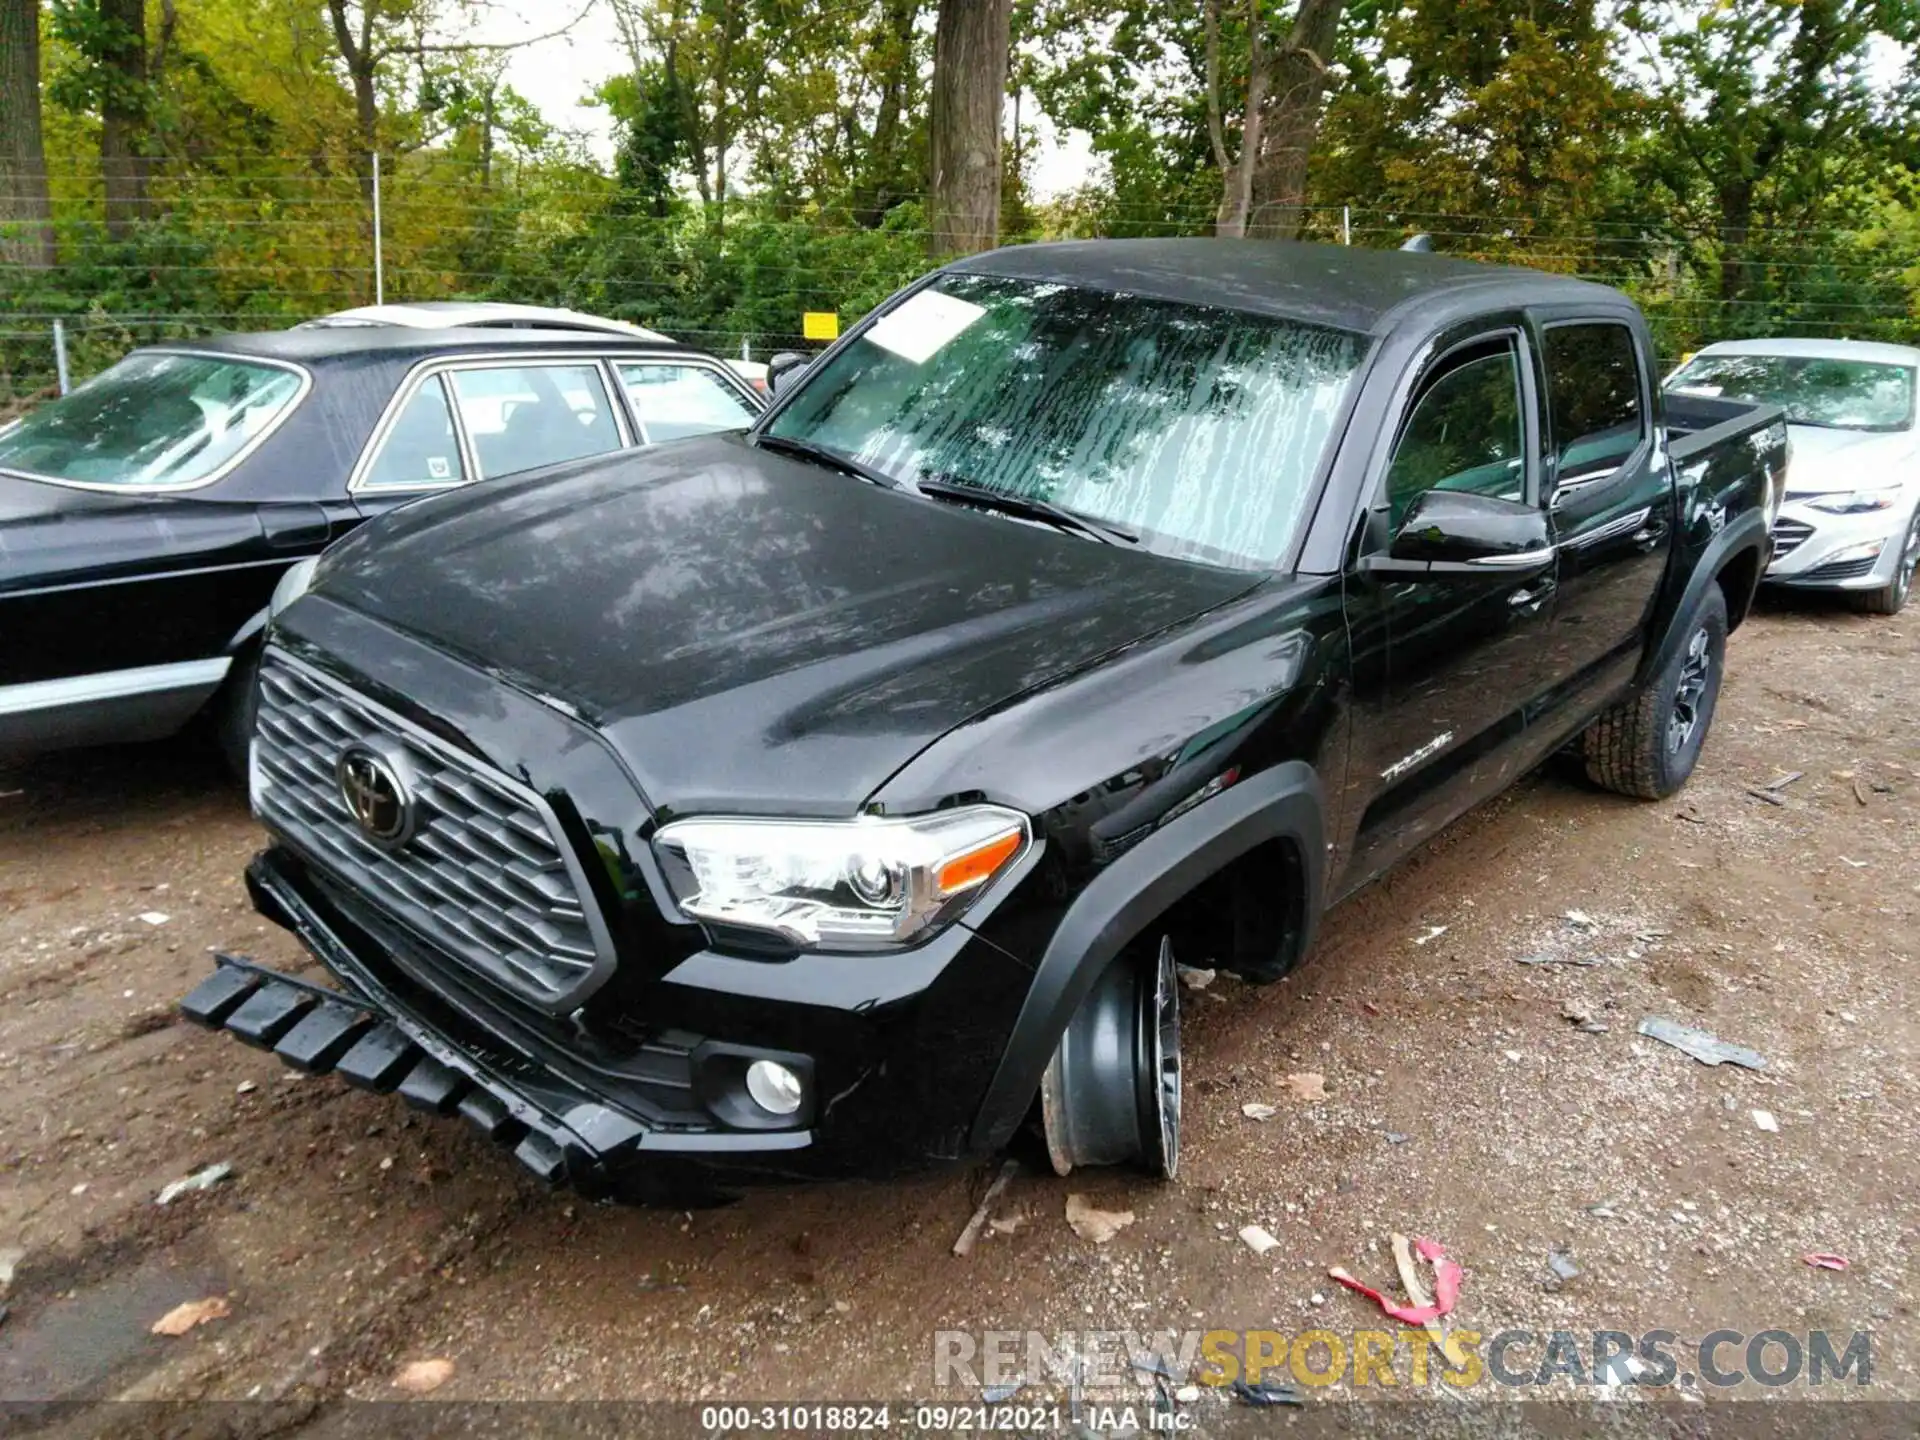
point(966, 870)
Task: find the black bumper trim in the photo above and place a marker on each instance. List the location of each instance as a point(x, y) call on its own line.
point(562, 1133)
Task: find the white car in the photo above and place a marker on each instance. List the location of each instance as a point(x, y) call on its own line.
point(1851, 519)
point(500, 315)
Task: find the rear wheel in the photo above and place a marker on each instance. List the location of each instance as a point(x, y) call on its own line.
point(1648, 744)
point(233, 712)
point(1111, 1093)
point(1892, 597)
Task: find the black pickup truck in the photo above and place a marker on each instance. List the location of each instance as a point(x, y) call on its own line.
point(835, 797)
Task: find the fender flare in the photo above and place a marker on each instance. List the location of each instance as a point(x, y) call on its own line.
point(1749, 532)
point(1284, 802)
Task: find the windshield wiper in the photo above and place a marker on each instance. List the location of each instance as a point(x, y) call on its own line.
point(952, 487)
point(826, 455)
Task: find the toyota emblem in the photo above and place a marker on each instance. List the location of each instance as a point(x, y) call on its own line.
point(375, 794)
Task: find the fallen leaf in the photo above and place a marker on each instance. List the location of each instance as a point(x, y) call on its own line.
point(1308, 1086)
point(1254, 1110)
point(1093, 1224)
point(183, 1318)
point(420, 1376)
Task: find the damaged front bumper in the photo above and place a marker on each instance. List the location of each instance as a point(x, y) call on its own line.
point(380, 1034)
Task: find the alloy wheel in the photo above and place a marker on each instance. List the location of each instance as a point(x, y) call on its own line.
point(1696, 669)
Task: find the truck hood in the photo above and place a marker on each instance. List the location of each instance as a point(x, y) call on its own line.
point(1825, 460)
point(753, 632)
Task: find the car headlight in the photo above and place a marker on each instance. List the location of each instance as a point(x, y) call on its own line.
point(870, 883)
point(1858, 502)
point(295, 583)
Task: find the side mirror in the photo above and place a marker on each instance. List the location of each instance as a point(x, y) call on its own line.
point(1455, 532)
point(785, 368)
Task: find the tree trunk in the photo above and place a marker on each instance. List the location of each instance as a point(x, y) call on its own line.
point(1236, 177)
point(879, 186)
point(1736, 226)
point(1293, 110)
point(123, 110)
point(362, 70)
point(26, 216)
point(967, 115)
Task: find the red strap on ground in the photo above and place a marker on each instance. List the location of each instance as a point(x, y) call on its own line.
point(1446, 1287)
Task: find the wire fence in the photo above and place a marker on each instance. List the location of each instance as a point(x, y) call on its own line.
point(262, 245)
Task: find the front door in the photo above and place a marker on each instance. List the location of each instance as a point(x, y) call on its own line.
point(1441, 702)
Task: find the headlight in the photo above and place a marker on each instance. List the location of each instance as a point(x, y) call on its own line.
point(870, 883)
point(1856, 503)
point(292, 585)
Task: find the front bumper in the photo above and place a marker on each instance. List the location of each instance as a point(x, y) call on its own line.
point(890, 1089)
point(1815, 550)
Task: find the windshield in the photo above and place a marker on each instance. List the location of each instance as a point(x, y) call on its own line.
point(1197, 429)
point(1816, 390)
point(152, 421)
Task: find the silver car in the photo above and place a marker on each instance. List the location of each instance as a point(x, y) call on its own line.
point(1851, 520)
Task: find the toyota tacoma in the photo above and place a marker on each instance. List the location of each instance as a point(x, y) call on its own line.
point(835, 797)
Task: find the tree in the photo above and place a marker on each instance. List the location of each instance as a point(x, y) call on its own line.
point(970, 50)
point(26, 215)
point(109, 73)
point(1758, 102)
point(1236, 170)
point(1291, 103)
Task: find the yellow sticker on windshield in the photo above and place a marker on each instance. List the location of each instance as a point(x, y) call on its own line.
point(920, 325)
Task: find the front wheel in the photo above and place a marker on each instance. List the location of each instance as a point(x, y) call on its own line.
point(233, 711)
point(1111, 1093)
point(1648, 744)
point(1892, 597)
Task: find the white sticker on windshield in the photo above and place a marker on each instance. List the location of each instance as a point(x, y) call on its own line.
point(923, 323)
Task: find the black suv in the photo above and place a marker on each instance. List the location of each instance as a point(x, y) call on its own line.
point(835, 797)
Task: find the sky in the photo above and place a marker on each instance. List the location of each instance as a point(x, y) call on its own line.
point(558, 74)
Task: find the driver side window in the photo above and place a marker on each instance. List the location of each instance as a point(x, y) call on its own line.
point(1464, 432)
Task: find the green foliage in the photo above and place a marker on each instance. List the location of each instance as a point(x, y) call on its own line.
point(1741, 166)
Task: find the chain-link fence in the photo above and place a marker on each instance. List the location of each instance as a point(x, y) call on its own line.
point(265, 244)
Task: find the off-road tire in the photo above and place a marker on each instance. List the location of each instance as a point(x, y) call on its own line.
point(1631, 749)
point(1892, 597)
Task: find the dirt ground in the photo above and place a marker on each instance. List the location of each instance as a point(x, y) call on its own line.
point(1469, 1097)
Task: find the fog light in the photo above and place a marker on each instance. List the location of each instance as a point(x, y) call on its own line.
point(1869, 551)
point(774, 1088)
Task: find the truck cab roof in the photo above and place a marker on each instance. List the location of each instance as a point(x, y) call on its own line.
point(1342, 286)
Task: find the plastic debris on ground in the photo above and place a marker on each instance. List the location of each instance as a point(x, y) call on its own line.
point(1446, 1287)
point(1267, 1394)
point(995, 1394)
point(964, 1244)
point(1825, 1260)
point(1580, 919)
point(1707, 1048)
point(155, 918)
point(1196, 979)
point(1258, 1239)
point(1433, 934)
point(1091, 1223)
point(1763, 1120)
point(1254, 1110)
point(200, 1180)
point(1561, 1263)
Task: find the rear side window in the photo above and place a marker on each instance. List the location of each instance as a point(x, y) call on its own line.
point(1463, 433)
point(522, 416)
point(1593, 397)
point(674, 401)
point(421, 449)
point(154, 421)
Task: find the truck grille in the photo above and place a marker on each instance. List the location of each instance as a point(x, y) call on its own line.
point(482, 873)
point(1789, 536)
